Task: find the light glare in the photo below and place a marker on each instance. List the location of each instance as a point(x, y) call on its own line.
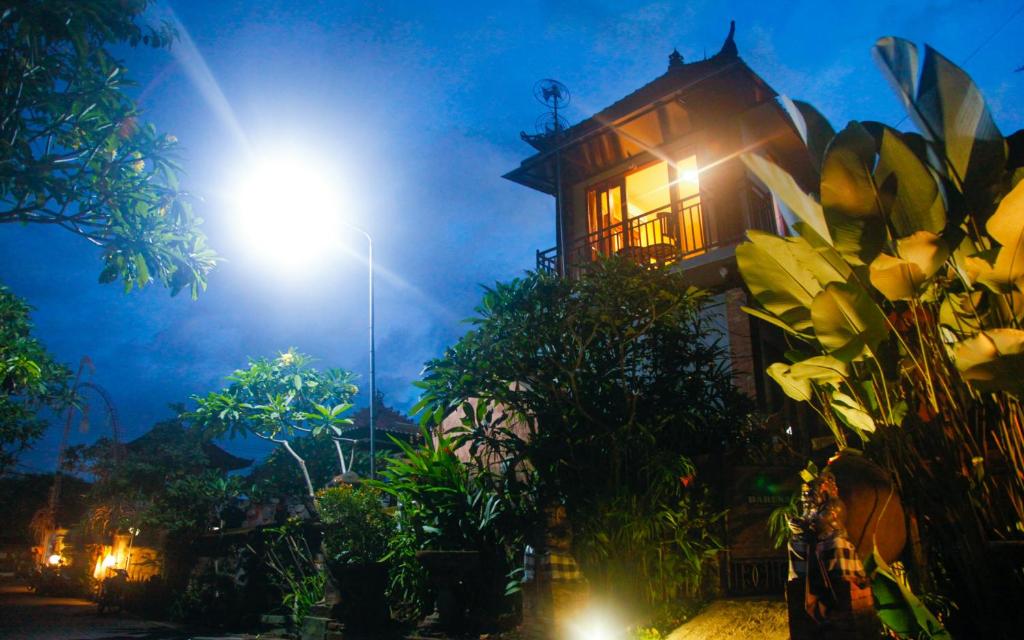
point(288, 207)
point(595, 625)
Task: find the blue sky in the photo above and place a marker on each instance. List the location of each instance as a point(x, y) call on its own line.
point(418, 105)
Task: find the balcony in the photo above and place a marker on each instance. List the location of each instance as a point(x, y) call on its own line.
point(666, 236)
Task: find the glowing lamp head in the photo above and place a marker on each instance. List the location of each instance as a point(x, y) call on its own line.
point(288, 206)
point(109, 562)
point(595, 624)
point(54, 560)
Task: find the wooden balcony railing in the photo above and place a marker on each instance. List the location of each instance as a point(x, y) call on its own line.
point(663, 236)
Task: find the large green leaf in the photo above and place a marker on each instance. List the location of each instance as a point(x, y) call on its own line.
point(847, 321)
point(786, 189)
point(1007, 227)
point(921, 255)
point(897, 606)
point(821, 261)
point(925, 250)
point(821, 369)
point(852, 413)
point(798, 389)
point(955, 109)
point(993, 360)
point(847, 186)
point(769, 318)
point(900, 64)
point(948, 108)
point(895, 278)
point(827, 252)
point(813, 127)
point(777, 279)
point(858, 240)
point(908, 190)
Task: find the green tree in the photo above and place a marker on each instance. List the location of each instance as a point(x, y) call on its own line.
point(74, 150)
point(594, 392)
point(164, 480)
point(275, 476)
point(279, 400)
point(30, 380)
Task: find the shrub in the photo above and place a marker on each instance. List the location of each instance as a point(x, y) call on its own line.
point(358, 527)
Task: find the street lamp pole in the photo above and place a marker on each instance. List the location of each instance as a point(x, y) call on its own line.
point(373, 351)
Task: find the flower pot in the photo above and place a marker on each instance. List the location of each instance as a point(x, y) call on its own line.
point(454, 577)
point(360, 600)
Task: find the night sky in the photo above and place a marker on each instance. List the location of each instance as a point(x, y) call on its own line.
point(418, 105)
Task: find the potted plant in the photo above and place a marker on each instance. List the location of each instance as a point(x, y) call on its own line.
point(449, 516)
point(356, 531)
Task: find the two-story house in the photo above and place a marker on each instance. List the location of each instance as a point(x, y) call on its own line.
point(656, 177)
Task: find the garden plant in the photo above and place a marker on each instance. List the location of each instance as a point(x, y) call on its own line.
point(597, 393)
point(900, 286)
point(279, 400)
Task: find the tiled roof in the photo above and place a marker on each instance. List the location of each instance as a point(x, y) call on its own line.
point(679, 74)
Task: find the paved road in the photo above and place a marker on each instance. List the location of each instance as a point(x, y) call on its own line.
point(25, 616)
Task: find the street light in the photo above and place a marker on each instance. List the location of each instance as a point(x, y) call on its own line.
point(289, 207)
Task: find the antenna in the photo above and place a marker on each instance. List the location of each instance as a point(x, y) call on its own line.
point(554, 95)
point(549, 126)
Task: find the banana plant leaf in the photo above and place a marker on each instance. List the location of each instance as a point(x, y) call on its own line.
point(777, 279)
point(948, 108)
point(786, 189)
point(1007, 226)
point(813, 127)
point(897, 606)
point(908, 190)
point(847, 321)
point(993, 360)
point(846, 176)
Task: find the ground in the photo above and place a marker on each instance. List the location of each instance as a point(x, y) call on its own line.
point(26, 616)
point(737, 620)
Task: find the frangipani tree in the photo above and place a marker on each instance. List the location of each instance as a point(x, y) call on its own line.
point(901, 288)
point(75, 151)
point(278, 400)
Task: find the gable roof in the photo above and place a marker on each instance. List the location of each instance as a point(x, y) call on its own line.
point(648, 117)
point(388, 421)
point(154, 439)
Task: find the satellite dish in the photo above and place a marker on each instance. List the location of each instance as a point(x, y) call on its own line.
point(549, 123)
point(551, 93)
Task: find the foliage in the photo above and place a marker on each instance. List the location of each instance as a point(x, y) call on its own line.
point(448, 507)
point(290, 560)
point(594, 393)
point(443, 506)
point(74, 150)
point(898, 607)
point(24, 495)
point(778, 521)
point(275, 477)
point(653, 547)
point(646, 633)
point(190, 504)
point(902, 291)
point(277, 400)
point(30, 380)
point(163, 481)
point(358, 526)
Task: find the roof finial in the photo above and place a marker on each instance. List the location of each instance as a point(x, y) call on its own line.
point(729, 46)
point(675, 59)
